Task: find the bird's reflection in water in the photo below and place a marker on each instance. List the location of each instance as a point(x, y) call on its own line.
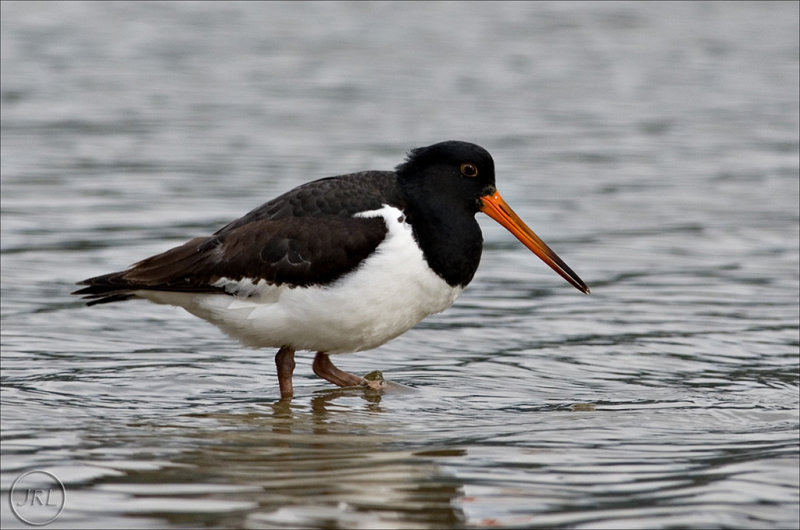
point(336, 461)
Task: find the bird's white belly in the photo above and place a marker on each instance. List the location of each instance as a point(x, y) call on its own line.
point(389, 293)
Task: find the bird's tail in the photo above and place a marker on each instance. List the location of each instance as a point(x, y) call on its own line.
point(162, 272)
point(105, 289)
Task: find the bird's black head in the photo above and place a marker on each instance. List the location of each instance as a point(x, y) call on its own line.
point(445, 185)
point(454, 173)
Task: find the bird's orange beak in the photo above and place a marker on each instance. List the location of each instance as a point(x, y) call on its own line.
point(495, 207)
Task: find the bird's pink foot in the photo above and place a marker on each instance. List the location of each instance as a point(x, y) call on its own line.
point(324, 368)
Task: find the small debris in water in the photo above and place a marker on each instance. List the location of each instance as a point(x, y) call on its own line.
point(376, 375)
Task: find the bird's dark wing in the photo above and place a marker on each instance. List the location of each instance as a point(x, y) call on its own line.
point(341, 196)
point(306, 236)
point(298, 251)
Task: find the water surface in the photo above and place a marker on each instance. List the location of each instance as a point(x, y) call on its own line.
point(654, 146)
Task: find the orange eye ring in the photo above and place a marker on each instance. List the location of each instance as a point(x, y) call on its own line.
point(469, 170)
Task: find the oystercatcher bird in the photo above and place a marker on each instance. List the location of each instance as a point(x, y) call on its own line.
point(340, 264)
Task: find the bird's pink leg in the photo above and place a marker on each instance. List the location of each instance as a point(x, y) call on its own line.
point(284, 360)
point(324, 368)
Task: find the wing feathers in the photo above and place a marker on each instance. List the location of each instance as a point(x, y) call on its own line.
point(306, 236)
point(299, 251)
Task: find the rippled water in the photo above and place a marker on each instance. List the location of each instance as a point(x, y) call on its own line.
point(654, 146)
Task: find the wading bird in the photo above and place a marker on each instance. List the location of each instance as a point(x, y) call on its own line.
point(337, 265)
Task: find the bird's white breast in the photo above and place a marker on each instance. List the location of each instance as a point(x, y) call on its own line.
point(390, 292)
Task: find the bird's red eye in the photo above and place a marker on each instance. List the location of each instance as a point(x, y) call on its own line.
point(469, 170)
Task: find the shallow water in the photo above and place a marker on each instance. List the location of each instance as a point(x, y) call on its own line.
point(654, 146)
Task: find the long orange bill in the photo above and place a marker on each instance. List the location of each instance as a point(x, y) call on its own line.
point(495, 207)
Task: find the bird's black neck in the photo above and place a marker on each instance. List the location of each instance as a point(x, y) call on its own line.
point(451, 241)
